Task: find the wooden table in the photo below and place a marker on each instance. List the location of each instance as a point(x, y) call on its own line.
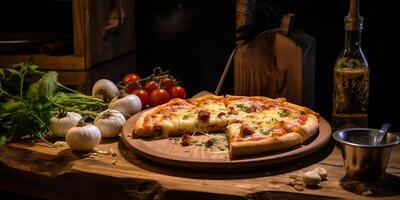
point(59, 173)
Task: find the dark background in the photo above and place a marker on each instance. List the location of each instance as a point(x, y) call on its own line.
point(198, 50)
point(193, 39)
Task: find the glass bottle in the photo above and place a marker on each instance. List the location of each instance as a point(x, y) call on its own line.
point(351, 76)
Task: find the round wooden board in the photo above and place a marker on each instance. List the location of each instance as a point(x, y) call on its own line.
point(170, 152)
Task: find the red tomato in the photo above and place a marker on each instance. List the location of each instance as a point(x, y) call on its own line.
point(130, 79)
point(132, 87)
point(167, 83)
point(143, 96)
point(177, 92)
point(150, 86)
point(159, 96)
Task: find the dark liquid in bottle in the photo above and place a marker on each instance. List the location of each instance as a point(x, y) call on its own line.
point(350, 98)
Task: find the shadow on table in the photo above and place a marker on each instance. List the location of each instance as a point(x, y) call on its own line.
point(389, 185)
point(226, 173)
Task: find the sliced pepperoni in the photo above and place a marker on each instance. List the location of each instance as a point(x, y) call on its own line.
point(232, 111)
point(186, 139)
point(251, 109)
point(246, 130)
point(221, 114)
point(302, 119)
point(203, 115)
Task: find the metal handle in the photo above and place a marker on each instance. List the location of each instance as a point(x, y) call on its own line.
point(227, 67)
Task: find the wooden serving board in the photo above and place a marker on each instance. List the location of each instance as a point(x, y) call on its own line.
point(171, 152)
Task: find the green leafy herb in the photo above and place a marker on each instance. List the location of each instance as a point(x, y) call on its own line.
point(242, 107)
point(271, 121)
point(185, 117)
point(28, 99)
point(221, 148)
point(267, 131)
point(210, 142)
point(284, 113)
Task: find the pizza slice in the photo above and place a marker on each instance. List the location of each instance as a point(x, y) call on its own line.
point(170, 119)
point(268, 125)
point(212, 114)
point(179, 116)
point(243, 105)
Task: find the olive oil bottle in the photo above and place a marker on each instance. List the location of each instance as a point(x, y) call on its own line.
point(351, 76)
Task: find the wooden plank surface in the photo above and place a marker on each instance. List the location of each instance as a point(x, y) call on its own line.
point(262, 67)
point(78, 12)
point(84, 80)
point(38, 170)
point(102, 45)
point(46, 62)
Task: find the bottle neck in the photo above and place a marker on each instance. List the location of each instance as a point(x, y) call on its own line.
point(353, 27)
point(352, 40)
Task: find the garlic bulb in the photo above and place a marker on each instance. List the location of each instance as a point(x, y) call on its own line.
point(110, 122)
point(60, 124)
point(321, 172)
point(127, 105)
point(83, 137)
point(311, 178)
point(104, 89)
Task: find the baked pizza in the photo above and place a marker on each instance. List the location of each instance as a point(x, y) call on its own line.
point(253, 125)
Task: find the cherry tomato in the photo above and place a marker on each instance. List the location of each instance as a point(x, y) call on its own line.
point(167, 83)
point(177, 92)
point(150, 86)
point(143, 96)
point(159, 96)
point(130, 78)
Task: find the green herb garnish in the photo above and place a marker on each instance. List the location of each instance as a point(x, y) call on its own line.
point(221, 148)
point(267, 131)
point(284, 113)
point(210, 142)
point(271, 121)
point(242, 107)
point(29, 98)
point(185, 117)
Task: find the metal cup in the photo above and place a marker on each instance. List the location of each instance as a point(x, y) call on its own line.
point(363, 159)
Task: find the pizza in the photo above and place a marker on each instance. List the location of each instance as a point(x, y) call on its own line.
point(253, 124)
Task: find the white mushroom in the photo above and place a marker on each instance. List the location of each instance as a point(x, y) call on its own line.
point(311, 178)
point(321, 172)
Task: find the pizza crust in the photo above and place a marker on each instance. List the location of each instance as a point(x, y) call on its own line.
point(268, 144)
point(310, 127)
point(140, 129)
point(302, 108)
point(207, 97)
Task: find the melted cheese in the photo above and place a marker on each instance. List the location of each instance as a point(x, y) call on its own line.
point(182, 116)
point(265, 123)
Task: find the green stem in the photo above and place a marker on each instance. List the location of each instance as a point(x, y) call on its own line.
point(40, 133)
point(91, 114)
point(46, 141)
point(79, 101)
point(38, 118)
point(21, 87)
point(79, 95)
point(86, 98)
point(66, 88)
point(8, 94)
